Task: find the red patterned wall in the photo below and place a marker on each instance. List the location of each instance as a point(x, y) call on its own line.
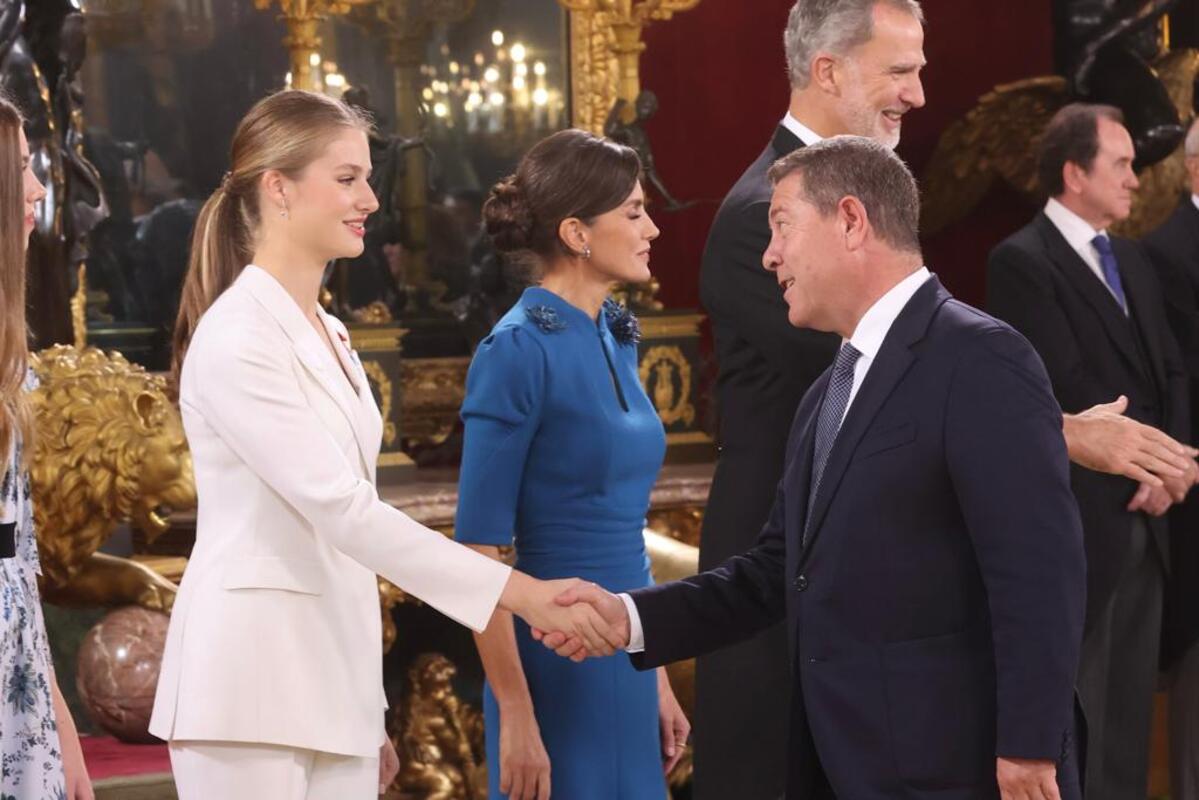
point(719, 74)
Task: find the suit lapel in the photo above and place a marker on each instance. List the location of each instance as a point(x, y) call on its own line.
point(1080, 277)
point(307, 345)
point(890, 365)
point(799, 476)
point(784, 142)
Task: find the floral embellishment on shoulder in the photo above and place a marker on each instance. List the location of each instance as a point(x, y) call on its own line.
point(546, 318)
point(624, 326)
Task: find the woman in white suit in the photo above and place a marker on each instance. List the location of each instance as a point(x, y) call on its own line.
point(271, 685)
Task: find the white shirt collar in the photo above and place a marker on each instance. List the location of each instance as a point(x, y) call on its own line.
point(1195, 200)
point(872, 329)
point(806, 135)
point(1076, 230)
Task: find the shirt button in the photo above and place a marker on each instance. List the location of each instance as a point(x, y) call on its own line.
point(800, 583)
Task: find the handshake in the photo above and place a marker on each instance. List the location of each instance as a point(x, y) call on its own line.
point(574, 618)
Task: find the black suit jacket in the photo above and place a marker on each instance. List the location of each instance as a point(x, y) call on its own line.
point(1174, 250)
point(935, 615)
point(1094, 353)
point(765, 364)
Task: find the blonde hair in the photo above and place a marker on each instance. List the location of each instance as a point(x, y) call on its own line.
point(15, 416)
point(286, 132)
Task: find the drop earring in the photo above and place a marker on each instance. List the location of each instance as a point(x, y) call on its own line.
point(587, 252)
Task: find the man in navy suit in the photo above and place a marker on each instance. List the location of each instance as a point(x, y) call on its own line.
point(924, 547)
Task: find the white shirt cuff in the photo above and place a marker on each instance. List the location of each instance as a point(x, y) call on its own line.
point(636, 635)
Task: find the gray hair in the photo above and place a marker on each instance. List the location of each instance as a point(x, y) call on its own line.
point(855, 166)
point(831, 26)
point(1191, 148)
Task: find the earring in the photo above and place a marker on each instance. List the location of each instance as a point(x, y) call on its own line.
point(587, 252)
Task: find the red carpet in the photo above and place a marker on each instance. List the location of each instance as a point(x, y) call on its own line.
point(108, 758)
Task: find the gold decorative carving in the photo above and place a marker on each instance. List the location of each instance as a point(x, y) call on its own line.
point(594, 73)
point(109, 448)
point(377, 375)
point(377, 313)
point(397, 459)
point(303, 17)
point(79, 309)
point(670, 326)
point(998, 140)
point(438, 737)
point(433, 391)
point(639, 296)
point(666, 376)
point(390, 596)
point(381, 338)
point(610, 31)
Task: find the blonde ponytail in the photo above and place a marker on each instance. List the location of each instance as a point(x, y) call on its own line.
point(283, 132)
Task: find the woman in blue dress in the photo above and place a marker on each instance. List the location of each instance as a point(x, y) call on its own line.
point(40, 756)
point(562, 449)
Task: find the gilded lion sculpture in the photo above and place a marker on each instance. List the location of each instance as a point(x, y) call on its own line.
point(109, 448)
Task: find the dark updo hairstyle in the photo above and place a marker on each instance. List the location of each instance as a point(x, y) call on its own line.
point(571, 173)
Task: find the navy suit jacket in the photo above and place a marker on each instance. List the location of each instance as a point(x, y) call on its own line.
point(935, 615)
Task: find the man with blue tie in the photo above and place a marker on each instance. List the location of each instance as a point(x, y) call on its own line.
point(1092, 307)
point(924, 547)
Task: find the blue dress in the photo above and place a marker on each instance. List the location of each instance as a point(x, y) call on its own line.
point(562, 449)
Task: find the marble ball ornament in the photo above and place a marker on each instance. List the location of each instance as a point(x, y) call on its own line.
point(117, 671)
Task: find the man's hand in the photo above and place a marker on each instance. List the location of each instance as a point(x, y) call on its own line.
point(1024, 779)
point(609, 608)
point(1153, 500)
point(540, 603)
point(1103, 439)
point(1178, 488)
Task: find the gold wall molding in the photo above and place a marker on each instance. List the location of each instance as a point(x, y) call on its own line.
point(606, 47)
point(669, 326)
point(377, 375)
point(658, 370)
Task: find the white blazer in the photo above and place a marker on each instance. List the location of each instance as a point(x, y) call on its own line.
point(276, 634)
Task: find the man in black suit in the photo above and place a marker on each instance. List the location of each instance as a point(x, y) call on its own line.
point(924, 547)
point(1092, 307)
point(854, 67)
point(1174, 250)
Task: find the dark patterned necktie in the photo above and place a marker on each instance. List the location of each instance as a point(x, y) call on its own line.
point(1111, 269)
point(832, 409)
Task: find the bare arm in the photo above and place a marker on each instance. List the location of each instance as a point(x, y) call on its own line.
point(524, 763)
point(79, 785)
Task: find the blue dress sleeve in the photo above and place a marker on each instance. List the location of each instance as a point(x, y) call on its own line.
point(505, 390)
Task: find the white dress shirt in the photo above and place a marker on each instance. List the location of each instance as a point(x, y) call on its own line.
point(1195, 200)
point(806, 135)
point(867, 339)
point(1078, 233)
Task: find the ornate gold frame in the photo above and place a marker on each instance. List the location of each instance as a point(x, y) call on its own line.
point(605, 51)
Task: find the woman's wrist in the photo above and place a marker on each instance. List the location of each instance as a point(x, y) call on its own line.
point(516, 591)
point(515, 707)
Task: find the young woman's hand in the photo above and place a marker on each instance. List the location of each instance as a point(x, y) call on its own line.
point(389, 764)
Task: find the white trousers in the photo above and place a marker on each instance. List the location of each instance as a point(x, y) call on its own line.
point(241, 771)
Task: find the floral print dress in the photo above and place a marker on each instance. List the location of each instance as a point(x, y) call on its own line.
point(30, 755)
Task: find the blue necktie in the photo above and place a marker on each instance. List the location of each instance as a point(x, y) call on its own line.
point(828, 424)
point(1111, 270)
